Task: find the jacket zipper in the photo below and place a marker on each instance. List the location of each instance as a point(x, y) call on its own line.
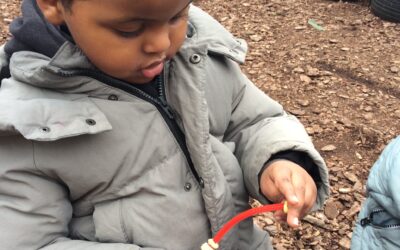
point(370, 220)
point(160, 103)
point(173, 125)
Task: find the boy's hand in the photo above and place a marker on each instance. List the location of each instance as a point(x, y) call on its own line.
point(285, 180)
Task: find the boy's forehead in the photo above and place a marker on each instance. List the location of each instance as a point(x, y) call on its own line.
point(146, 9)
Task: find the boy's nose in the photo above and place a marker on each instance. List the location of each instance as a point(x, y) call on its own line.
point(157, 39)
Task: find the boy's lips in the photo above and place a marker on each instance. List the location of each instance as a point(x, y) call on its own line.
point(153, 70)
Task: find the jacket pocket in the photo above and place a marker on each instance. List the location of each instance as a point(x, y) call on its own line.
point(108, 222)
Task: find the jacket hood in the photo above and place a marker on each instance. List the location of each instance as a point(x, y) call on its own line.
point(383, 182)
point(31, 32)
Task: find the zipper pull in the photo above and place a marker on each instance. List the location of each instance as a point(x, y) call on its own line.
point(365, 222)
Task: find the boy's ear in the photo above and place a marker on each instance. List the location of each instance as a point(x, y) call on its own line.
point(52, 10)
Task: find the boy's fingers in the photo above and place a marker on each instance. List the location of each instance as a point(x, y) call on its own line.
point(310, 197)
point(306, 201)
point(293, 217)
point(293, 185)
point(283, 182)
point(299, 186)
point(296, 209)
point(295, 213)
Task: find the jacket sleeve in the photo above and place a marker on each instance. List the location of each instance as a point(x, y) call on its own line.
point(261, 128)
point(35, 210)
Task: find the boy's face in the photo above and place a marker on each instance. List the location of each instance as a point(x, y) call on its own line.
point(128, 39)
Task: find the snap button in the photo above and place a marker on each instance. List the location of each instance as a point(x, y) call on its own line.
point(188, 186)
point(90, 122)
point(113, 98)
point(46, 129)
point(195, 58)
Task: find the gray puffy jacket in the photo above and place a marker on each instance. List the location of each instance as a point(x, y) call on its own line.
point(87, 165)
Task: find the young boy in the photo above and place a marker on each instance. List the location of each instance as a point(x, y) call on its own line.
point(127, 124)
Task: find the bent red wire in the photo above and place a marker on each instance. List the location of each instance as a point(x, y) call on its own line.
point(244, 215)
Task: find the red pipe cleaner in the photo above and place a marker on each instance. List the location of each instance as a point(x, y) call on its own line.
point(244, 215)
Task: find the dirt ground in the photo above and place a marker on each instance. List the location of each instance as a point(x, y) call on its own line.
point(342, 82)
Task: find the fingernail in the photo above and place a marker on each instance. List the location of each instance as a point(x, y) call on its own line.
point(295, 199)
point(296, 221)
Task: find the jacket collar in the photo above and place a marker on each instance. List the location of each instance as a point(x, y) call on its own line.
point(32, 32)
point(205, 30)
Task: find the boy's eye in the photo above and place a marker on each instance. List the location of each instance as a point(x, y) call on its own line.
point(178, 17)
point(130, 33)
